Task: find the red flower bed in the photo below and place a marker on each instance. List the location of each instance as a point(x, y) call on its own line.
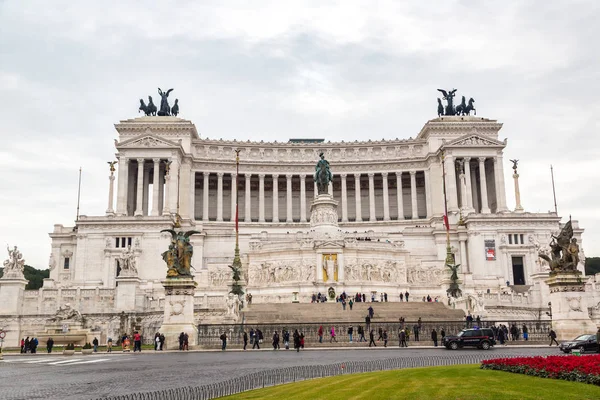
point(571, 368)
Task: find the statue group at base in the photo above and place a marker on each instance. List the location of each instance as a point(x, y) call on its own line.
point(564, 254)
point(15, 264)
point(179, 255)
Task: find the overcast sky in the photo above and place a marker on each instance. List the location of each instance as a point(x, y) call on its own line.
point(272, 70)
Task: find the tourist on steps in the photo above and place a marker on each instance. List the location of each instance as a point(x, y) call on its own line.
point(371, 312)
point(350, 303)
point(368, 322)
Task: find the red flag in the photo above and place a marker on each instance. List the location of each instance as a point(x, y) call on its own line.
point(446, 222)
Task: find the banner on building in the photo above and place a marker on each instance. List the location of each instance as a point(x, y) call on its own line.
point(490, 250)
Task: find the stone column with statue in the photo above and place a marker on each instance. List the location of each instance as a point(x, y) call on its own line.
point(570, 316)
point(179, 289)
point(12, 288)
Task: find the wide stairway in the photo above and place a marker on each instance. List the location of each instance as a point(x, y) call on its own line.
point(333, 312)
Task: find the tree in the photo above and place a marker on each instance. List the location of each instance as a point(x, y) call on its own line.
point(34, 276)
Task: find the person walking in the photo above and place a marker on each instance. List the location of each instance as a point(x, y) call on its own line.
point(297, 340)
point(350, 331)
point(256, 343)
point(552, 335)
point(416, 332)
point(320, 333)
point(49, 345)
point(344, 304)
point(223, 338)
point(137, 342)
point(368, 322)
point(361, 334)
point(162, 341)
point(371, 312)
point(181, 341)
point(109, 345)
point(401, 297)
point(372, 338)
point(385, 338)
point(156, 341)
point(275, 341)
point(434, 337)
point(406, 295)
point(286, 339)
point(403, 338)
point(95, 343)
point(186, 342)
point(380, 333)
point(332, 333)
point(350, 303)
point(245, 337)
point(525, 333)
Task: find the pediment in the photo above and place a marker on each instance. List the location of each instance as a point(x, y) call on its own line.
point(147, 140)
point(329, 244)
point(475, 140)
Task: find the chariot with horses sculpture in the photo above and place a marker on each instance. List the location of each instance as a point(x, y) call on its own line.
point(165, 110)
point(463, 108)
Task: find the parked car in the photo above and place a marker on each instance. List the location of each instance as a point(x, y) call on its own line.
point(482, 338)
point(582, 342)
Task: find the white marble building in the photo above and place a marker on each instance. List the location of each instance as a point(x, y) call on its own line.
point(389, 235)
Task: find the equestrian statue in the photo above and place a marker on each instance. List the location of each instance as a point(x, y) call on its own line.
point(323, 175)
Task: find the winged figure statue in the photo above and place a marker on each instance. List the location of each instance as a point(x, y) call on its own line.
point(179, 255)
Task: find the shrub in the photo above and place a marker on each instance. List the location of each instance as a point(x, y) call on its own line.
point(70, 346)
point(87, 346)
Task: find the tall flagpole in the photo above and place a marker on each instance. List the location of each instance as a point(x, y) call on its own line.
point(553, 189)
point(236, 266)
point(78, 195)
point(449, 259)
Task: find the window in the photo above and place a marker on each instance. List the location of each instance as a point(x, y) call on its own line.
point(516, 238)
point(66, 263)
point(123, 242)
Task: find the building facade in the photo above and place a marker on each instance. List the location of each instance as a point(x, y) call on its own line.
point(389, 234)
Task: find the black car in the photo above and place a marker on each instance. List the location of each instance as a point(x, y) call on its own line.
point(482, 338)
point(582, 342)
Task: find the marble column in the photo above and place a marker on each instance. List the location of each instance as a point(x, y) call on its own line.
point(399, 196)
point(275, 198)
point(220, 196)
point(372, 216)
point(289, 198)
point(174, 190)
point(122, 188)
point(469, 198)
point(357, 198)
point(139, 207)
point(261, 197)
point(166, 201)
point(146, 196)
point(302, 198)
point(413, 195)
point(248, 209)
point(500, 187)
point(428, 194)
point(463, 255)
point(344, 198)
point(386, 197)
point(233, 195)
point(485, 207)
point(111, 190)
point(451, 191)
point(155, 186)
point(161, 186)
point(205, 196)
point(518, 206)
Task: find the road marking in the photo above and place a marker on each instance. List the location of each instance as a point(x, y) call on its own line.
point(65, 361)
point(41, 360)
point(89, 361)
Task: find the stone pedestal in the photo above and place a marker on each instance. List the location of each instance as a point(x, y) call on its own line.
point(11, 300)
point(126, 292)
point(570, 316)
point(323, 214)
point(179, 311)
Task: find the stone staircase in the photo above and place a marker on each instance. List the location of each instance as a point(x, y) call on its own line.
point(331, 312)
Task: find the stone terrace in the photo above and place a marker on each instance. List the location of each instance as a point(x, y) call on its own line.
point(332, 312)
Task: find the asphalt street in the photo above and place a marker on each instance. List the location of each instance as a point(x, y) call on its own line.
point(55, 376)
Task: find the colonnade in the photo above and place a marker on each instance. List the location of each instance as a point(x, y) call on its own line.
point(286, 198)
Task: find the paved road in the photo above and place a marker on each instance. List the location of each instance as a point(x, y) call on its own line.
point(93, 376)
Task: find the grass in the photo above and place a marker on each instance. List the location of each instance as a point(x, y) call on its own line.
point(456, 382)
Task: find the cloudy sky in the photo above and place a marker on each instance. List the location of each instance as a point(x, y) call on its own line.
point(267, 70)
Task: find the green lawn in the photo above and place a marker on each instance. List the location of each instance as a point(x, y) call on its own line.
point(456, 382)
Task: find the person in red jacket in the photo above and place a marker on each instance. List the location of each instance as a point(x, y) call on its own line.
point(137, 342)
